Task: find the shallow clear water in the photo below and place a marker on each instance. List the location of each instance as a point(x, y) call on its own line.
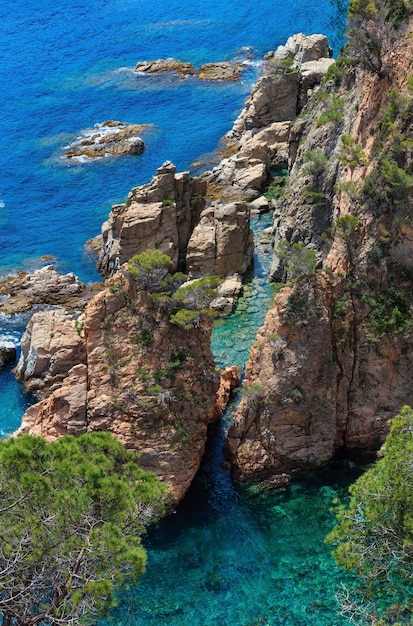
point(244, 557)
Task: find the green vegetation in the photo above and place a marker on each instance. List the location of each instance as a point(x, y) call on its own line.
point(351, 153)
point(386, 187)
point(316, 162)
point(345, 227)
point(195, 298)
point(372, 27)
point(390, 312)
point(374, 535)
point(167, 202)
point(71, 517)
point(149, 268)
point(334, 113)
point(337, 70)
point(282, 66)
point(298, 260)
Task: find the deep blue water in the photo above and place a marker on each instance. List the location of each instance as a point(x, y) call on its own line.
point(65, 66)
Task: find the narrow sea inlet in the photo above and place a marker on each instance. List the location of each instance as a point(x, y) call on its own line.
point(243, 556)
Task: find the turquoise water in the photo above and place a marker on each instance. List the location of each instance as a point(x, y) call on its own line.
point(234, 334)
point(242, 555)
point(245, 556)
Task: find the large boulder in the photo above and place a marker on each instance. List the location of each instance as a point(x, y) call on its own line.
point(51, 345)
point(222, 242)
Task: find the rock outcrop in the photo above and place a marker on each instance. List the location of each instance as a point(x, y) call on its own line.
point(51, 345)
point(333, 361)
point(149, 382)
point(259, 139)
point(222, 241)
point(165, 65)
point(224, 70)
point(221, 71)
point(161, 214)
point(44, 286)
point(109, 138)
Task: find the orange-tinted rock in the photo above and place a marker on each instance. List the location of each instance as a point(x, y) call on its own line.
point(149, 382)
point(229, 380)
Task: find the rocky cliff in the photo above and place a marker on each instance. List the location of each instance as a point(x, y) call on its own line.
point(333, 361)
point(150, 382)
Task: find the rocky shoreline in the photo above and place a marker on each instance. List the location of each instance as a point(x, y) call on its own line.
point(313, 383)
point(95, 369)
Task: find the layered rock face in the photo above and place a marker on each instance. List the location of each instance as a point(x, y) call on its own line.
point(259, 138)
point(161, 214)
point(333, 361)
point(44, 286)
point(149, 382)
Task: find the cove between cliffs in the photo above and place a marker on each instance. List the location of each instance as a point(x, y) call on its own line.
point(243, 555)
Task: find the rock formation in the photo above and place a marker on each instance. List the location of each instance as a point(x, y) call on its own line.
point(165, 65)
point(44, 286)
point(169, 214)
point(149, 382)
point(111, 137)
point(7, 353)
point(161, 214)
point(224, 70)
point(333, 361)
point(51, 345)
point(259, 139)
point(222, 241)
point(220, 71)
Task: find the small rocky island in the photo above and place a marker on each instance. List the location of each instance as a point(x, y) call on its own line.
point(110, 138)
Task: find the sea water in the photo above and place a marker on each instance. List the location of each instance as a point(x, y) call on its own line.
point(228, 555)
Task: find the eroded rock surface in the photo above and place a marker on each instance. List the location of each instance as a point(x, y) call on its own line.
point(333, 361)
point(222, 242)
point(165, 65)
point(315, 384)
point(111, 137)
point(149, 382)
point(44, 286)
point(260, 137)
point(51, 345)
point(161, 214)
